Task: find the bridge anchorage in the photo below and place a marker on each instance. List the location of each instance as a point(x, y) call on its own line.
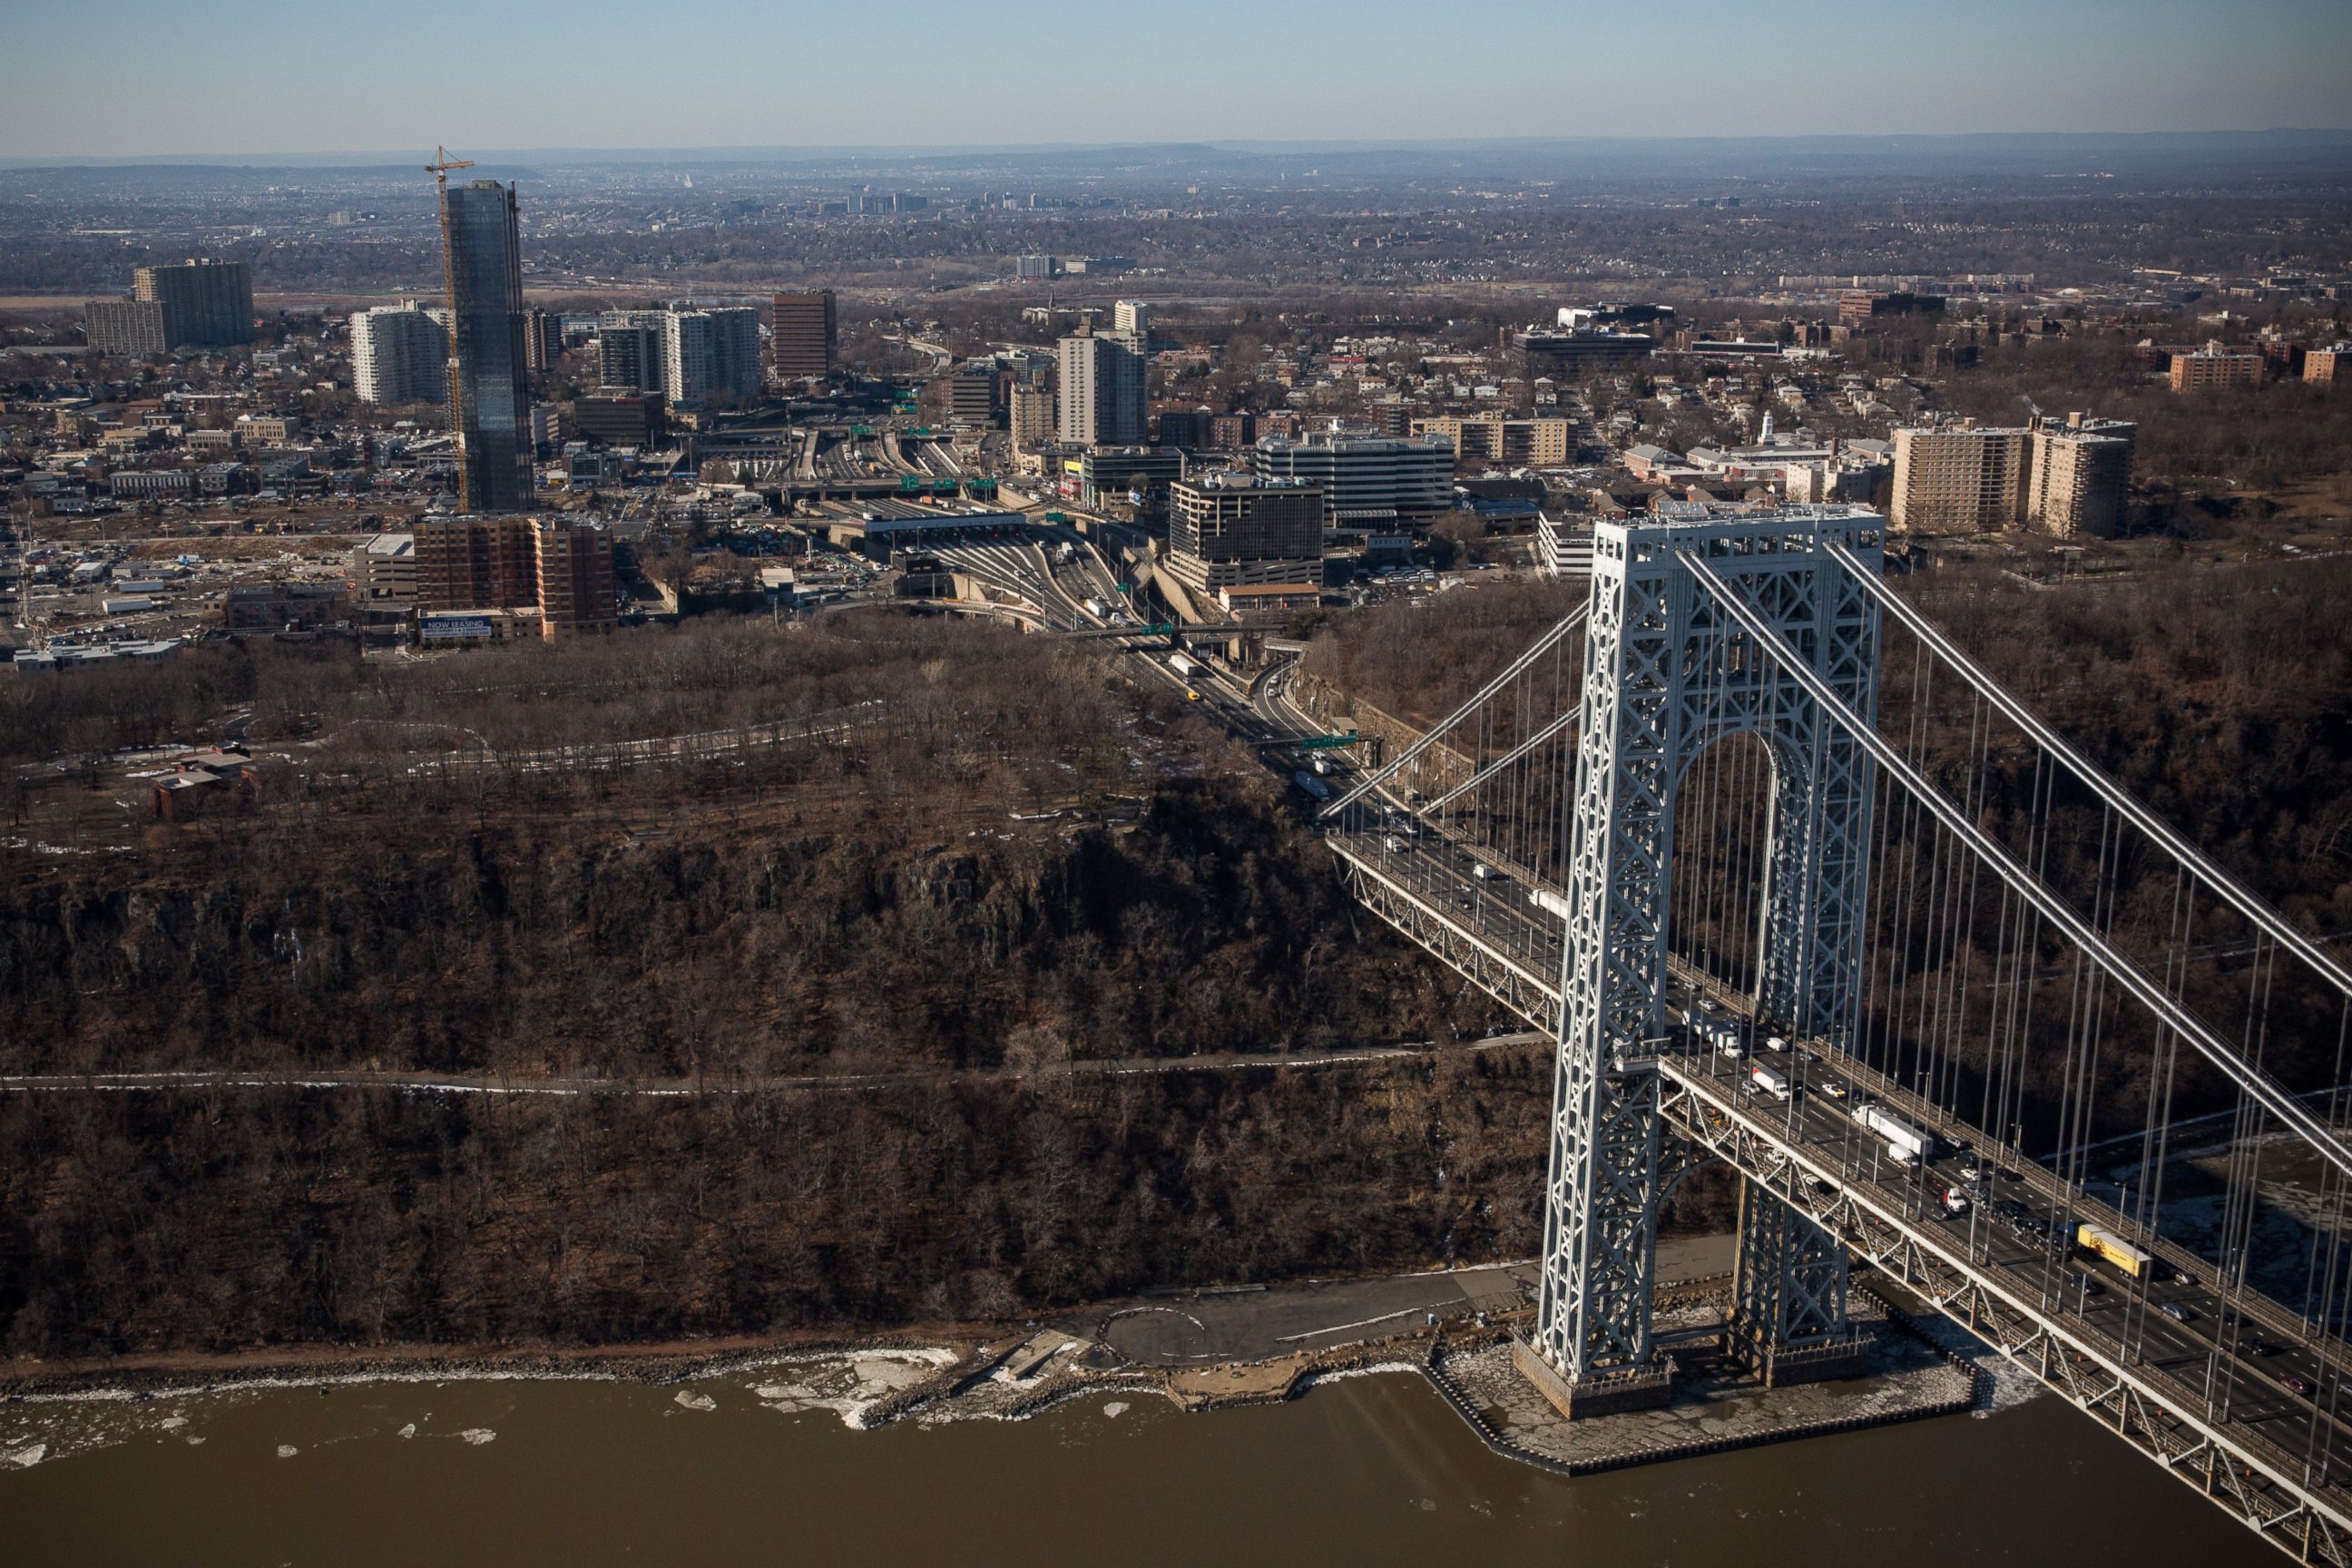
point(1908, 974)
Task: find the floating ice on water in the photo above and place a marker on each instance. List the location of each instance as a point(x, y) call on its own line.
point(172, 1422)
point(409, 1430)
point(1115, 1409)
point(25, 1457)
point(478, 1436)
point(287, 1450)
point(694, 1401)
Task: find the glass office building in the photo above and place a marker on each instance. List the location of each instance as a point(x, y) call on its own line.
point(489, 387)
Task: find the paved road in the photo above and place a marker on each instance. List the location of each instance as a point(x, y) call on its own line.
point(2212, 1357)
point(1191, 1327)
point(480, 1083)
point(2243, 1358)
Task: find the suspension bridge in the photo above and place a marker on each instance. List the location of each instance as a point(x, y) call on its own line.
point(1797, 886)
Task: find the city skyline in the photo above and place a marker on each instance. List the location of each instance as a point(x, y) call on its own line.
point(1313, 72)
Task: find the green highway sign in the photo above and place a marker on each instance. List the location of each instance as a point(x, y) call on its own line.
point(1326, 742)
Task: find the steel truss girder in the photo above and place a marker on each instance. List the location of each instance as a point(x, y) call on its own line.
point(2260, 1488)
point(1455, 945)
point(1666, 674)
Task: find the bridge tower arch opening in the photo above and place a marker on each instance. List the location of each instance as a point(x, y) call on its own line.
point(1721, 866)
point(1668, 674)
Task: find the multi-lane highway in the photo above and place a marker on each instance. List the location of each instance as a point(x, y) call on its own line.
point(2191, 1368)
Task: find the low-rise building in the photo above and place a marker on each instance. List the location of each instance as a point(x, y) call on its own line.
point(2214, 365)
point(284, 606)
point(1369, 483)
point(1260, 602)
point(1540, 442)
point(148, 484)
point(2328, 364)
point(1136, 474)
point(383, 571)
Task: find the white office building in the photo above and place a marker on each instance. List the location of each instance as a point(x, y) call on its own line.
point(1371, 484)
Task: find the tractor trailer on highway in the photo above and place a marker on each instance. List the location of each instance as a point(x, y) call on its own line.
point(2106, 1244)
point(1904, 1140)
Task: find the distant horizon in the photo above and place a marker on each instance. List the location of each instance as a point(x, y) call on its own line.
point(364, 158)
point(136, 79)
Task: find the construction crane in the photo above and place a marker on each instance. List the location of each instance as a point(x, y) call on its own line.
point(440, 169)
point(441, 165)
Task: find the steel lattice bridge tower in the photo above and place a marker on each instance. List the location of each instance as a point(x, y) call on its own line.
point(1669, 673)
point(1921, 936)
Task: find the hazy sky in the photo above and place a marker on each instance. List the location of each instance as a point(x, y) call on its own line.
point(160, 77)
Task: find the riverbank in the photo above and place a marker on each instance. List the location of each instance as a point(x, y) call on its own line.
point(1249, 1323)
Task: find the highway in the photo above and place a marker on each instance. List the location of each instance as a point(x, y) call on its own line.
point(2144, 1352)
point(2208, 1362)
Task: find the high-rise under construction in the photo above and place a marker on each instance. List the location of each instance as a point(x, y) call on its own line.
point(489, 386)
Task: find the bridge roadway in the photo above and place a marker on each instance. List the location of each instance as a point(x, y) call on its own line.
point(2207, 1395)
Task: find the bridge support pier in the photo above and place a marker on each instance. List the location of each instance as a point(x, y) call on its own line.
point(1788, 1320)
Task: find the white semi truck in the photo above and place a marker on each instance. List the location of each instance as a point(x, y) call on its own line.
point(1905, 1141)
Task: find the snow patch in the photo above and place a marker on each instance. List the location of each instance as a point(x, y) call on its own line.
point(1377, 1369)
point(2008, 1383)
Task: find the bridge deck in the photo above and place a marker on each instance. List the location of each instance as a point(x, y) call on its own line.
point(2206, 1397)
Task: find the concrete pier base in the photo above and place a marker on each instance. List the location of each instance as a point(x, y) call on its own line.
point(1609, 1393)
point(1787, 1366)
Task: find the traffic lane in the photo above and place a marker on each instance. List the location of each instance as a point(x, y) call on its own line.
point(1432, 875)
point(2205, 1300)
point(2031, 1273)
point(2181, 1352)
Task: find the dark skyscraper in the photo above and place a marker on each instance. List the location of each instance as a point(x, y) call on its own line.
point(205, 303)
point(490, 395)
point(803, 335)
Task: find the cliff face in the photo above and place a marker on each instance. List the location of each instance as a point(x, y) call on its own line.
point(335, 938)
point(224, 1219)
point(732, 946)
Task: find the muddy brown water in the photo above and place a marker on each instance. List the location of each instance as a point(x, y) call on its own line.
point(1370, 1469)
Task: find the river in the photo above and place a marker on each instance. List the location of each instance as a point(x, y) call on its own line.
point(1366, 1469)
